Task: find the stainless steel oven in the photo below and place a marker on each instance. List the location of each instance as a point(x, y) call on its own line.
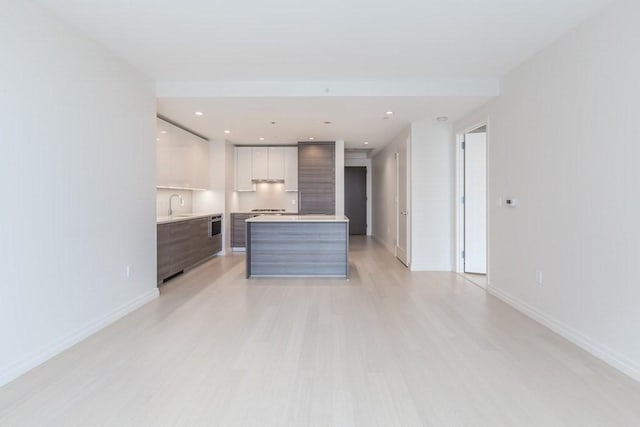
point(215, 225)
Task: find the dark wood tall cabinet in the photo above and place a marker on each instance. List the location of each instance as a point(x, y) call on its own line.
point(317, 178)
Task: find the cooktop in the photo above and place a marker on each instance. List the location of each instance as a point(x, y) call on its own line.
point(267, 210)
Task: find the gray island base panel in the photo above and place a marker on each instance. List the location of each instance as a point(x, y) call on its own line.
point(297, 246)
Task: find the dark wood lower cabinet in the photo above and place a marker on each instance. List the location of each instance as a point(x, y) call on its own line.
point(238, 228)
point(238, 238)
point(183, 244)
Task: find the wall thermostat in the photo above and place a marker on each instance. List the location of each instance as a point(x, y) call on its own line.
point(512, 203)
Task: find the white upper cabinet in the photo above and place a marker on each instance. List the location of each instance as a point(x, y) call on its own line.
point(266, 164)
point(290, 168)
point(276, 163)
point(244, 169)
point(199, 163)
point(182, 159)
point(260, 166)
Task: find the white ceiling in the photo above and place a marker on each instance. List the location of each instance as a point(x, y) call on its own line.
point(344, 39)
point(353, 119)
point(430, 57)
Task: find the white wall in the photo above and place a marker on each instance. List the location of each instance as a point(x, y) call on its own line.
point(430, 190)
point(563, 139)
point(432, 196)
point(384, 191)
point(77, 156)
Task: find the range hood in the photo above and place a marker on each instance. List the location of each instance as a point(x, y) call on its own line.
point(270, 181)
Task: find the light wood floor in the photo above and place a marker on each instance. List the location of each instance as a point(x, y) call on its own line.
point(478, 279)
point(386, 348)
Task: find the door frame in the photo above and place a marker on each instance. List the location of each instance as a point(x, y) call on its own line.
point(396, 202)
point(407, 181)
point(459, 135)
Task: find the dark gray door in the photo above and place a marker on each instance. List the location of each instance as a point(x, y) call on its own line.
point(355, 198)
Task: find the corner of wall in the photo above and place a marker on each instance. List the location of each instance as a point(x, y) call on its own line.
point(432, 196)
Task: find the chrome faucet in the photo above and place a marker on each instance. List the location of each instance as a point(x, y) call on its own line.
point(171, 199)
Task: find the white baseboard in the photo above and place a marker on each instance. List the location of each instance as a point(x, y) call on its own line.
point(14, 370)
point(431, 267)
point(602, 352)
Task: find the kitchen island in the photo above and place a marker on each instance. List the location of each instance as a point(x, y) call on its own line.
point(297, 246)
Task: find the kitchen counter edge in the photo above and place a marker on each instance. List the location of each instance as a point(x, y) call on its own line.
point(299, 218)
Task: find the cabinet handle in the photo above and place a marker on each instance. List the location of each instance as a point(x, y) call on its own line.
point(299, 202)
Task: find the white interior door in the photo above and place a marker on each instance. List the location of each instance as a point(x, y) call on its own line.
point(475, 202)
point(402, 207)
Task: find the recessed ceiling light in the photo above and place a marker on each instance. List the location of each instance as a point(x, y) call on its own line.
point(273, 123)
point(327, 122)
point(366, 143)
point(157, 139)
point(261, 139)
point(442, 119)
point(163, 131)
point(227, 131)
point(388, 113)
point(199, 113)
point(311, 138)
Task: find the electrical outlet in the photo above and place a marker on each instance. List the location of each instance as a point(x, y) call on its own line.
point(539, 277)
point(129, 270)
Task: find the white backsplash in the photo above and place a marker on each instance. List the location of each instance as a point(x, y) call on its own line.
point(207, 201)
point(162, 201)
point(268, 196)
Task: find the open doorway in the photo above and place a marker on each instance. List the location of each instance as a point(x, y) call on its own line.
point(473, 205)
point(355, 199)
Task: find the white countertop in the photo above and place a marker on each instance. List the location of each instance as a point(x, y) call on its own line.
point(299, 218)
point(182, 217)
point(267, 213)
